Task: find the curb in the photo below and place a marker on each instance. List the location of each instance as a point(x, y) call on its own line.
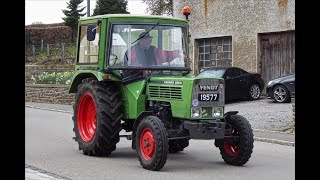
point(55, 110)
point(42, 174)
point(274, 141)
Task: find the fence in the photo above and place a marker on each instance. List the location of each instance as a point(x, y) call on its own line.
point(64, 52)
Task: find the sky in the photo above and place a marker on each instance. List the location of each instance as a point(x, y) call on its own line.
point(50, 11)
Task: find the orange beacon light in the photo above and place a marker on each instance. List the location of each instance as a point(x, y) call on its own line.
point(186, 11)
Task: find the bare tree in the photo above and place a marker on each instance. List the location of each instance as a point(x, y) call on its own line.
point(159, 7)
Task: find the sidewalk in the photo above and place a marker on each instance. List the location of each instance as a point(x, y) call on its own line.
point(259, 134)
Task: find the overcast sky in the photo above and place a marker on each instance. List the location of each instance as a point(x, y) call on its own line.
point(50, 11)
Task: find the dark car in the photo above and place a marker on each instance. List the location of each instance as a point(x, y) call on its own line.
point(238, 82)
point(282, 89)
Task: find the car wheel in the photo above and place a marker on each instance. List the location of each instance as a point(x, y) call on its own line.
point(281, 94)
point(254, 92)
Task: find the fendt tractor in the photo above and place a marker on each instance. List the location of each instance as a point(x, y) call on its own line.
point(151, 97)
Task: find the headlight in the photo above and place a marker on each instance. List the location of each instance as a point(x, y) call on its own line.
point(270, 82)
point(196, 112)
point(217, 111)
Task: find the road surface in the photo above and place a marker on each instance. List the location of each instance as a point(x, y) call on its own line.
point(50, 148)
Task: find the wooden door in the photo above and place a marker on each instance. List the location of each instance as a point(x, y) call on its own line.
point(277, 54)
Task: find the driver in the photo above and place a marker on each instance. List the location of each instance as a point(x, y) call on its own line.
point(144, 54)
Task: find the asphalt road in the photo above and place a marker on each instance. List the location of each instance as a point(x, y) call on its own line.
point(50, 147)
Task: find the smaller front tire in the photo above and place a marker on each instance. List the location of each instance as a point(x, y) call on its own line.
point(152, 143)
point(237, 149)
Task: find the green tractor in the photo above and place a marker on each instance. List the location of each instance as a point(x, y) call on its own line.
point(121, 85)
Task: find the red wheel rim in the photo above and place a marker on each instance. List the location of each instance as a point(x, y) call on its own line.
point(147, 146)
point(231, 148)
point(87, 122)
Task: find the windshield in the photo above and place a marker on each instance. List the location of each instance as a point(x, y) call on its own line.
point(217, 73)
point(151, 46)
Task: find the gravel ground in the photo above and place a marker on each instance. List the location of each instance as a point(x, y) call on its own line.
point(264, 113)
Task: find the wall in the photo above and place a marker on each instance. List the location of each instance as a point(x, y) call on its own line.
point(241, 19)
point(47, 93)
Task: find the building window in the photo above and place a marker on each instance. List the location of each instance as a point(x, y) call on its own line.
point(214, 52)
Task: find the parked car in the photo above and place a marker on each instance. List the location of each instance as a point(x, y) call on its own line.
point(282, 89)
point(238, 82)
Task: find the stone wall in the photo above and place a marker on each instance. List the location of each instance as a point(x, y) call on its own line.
point(48, 93)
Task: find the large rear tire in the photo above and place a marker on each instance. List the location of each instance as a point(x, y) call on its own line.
point(152, 143)
point(238, 149)
point(178, 145)
point(97, 117)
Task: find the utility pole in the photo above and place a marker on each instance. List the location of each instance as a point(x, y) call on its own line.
point(88, 8)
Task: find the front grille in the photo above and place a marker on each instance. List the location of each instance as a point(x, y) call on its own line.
point(165, 92)
point(197, 90)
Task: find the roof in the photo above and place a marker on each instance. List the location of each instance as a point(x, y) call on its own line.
point(133, 15)
point(223, 67)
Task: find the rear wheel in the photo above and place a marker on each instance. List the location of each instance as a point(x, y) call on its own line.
point(97, 117)
point(281, 94)
point(178, 145)
point(237, 149)
point(254, 92)
point(152, 143)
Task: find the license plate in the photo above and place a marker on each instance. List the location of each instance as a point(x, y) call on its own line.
point(208, 97)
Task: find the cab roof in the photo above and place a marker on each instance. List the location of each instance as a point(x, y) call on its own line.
point(131, 16)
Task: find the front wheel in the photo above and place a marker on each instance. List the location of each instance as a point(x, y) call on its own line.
point(281, 94)
point(152, 143)
point(236, 148)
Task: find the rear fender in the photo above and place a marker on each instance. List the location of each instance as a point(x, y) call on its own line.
point(78, 79)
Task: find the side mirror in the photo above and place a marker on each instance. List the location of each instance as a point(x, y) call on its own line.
point(91, 31)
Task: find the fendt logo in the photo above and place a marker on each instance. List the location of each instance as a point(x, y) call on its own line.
point(208, 87)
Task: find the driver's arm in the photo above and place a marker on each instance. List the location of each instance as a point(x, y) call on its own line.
point(168, 56)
